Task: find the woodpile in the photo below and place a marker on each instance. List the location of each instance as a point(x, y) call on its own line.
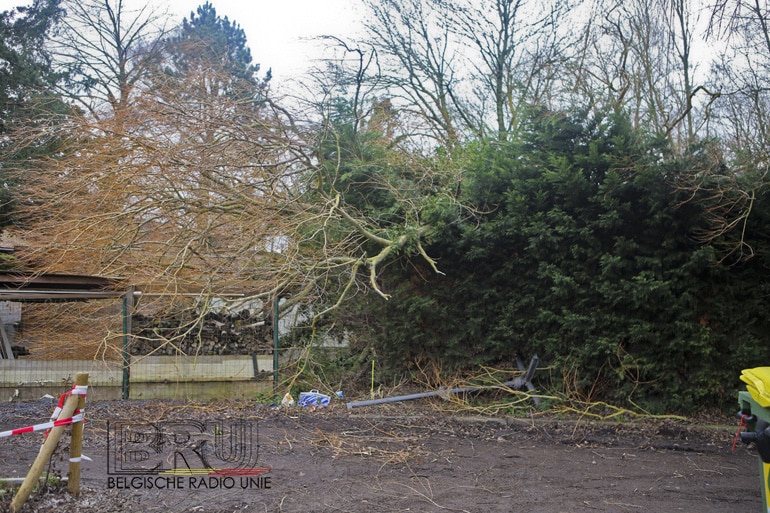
point(219, 334)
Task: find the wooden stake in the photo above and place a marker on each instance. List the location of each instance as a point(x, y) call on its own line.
point(76, 445)
point(33, 476)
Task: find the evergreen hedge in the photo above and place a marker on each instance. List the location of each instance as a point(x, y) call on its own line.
point(581, 250)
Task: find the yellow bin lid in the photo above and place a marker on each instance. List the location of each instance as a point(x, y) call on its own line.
point(758, 384)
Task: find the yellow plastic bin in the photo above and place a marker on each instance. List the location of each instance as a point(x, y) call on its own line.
point(755, 412)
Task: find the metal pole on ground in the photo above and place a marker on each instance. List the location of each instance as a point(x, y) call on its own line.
point(524, 381)
point(33, 476)
point(76, 445)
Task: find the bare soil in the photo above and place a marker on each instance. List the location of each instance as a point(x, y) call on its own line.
point(414, 457)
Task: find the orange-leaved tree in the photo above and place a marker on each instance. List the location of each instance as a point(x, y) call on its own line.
point(205, 189)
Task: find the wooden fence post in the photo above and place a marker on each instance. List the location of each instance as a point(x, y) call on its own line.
point(49, 446)
point(76, 444)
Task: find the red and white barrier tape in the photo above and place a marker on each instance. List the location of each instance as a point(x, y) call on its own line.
point(54, 422)
point(76, 390)
point(44, 426)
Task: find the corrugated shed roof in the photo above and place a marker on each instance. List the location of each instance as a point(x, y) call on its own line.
point(57, 287)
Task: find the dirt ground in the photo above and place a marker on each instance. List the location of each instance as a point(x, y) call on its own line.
point(411, 457)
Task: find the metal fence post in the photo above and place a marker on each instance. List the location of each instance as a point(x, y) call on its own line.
point(276, 318)
point(128, 307)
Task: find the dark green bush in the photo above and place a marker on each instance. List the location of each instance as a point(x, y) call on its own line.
point(582, 251)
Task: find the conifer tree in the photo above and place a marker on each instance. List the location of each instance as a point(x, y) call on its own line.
point(208, 41)
point(26, 87)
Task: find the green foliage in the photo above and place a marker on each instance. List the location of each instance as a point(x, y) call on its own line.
point(26, 71)
point(360, 162)
point(267, 396)
point(581, 252)
point(207, 41)
point(26, 85)
point(327, 368)
point(6, 490)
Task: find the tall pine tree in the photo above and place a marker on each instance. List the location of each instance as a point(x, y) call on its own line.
point(215, 50)
point(26, 89)
point(25, 72)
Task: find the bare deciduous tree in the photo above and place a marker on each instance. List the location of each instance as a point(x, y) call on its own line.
point(105, 49)
point(517, 51)
point(467, 68)
point(637, 57)
point(420, 53)
point(193, 190)
point(729, 188)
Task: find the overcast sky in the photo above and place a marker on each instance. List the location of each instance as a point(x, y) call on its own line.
point(280, 33)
